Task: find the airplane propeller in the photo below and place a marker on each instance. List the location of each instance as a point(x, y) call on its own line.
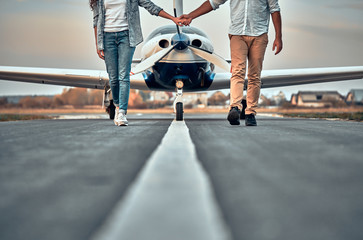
point(150, 61)
point(181, 41)
point(210, 57)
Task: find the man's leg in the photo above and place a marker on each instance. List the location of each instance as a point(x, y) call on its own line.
point(239, 52)
point(256, 55)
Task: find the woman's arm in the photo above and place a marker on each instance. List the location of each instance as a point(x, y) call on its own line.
point(158, 11)
point(99, 52)
point(95, 20)
point(166, 15)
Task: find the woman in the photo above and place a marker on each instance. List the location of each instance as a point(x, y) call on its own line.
point(117, 32)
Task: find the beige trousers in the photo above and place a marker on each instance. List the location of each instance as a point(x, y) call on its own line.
point(253, 49)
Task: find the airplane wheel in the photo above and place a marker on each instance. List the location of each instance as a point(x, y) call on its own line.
point(244, 106)
point(179, 111)
point(111, 110)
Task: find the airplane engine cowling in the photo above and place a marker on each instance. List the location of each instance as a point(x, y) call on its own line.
point(163, 43)
point(197, 43)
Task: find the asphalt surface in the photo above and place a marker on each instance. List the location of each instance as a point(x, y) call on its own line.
point(287, 178)
point(284, 179)
point(59, 179)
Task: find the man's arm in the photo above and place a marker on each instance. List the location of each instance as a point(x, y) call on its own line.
point(166, 15)
point(276, 19)
point(206, 7)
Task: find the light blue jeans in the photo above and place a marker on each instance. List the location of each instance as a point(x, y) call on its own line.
point(118, 59)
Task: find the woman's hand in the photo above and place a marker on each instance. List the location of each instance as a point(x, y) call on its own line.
point(177, 21)
point(101, 54)
point(185, 19)
point(166, 15)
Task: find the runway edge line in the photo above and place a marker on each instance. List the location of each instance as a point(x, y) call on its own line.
point(172, 197)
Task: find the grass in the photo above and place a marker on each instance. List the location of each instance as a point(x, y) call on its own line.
point(353, 116)
point(18, 117)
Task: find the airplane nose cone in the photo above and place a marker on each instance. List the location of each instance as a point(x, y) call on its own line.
point(182, 41)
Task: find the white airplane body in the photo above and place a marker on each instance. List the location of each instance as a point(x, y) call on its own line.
point(173, 60)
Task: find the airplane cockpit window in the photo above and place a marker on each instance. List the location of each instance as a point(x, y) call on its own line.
point(170, 29)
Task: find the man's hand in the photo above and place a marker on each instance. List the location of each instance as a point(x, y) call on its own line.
point(185, 19)
point(177, 21)
point(277, 45)
point(101, 54)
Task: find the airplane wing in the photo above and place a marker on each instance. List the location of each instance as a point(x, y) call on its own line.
point(65, 77)
point(290, 77)
point(99, 79)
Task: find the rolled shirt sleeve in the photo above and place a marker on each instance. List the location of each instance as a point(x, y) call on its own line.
point(216, 3)
point(152, 8)
point(274, 6)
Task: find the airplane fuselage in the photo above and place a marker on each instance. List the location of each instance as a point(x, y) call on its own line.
point(181, 63)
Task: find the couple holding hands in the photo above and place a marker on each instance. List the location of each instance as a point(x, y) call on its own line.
point(118, 31)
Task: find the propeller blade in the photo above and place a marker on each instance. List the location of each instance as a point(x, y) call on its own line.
point(150, 61)
point(211, 57)
point(177, 27)
point(178, 6)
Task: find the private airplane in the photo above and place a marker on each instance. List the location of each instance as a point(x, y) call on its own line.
point(176, 59)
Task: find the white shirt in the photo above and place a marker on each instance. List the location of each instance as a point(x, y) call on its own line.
point(115, 16)
point(249, 17)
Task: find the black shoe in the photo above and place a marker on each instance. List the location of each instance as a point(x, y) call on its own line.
point(243, 113)
point(250, 120)
point(233, 116)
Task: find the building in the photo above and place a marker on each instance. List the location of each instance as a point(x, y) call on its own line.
point(199, 100)
point(317, 99)
point(279, 98)
point(194, 100)
point(355, 97)
point(159, 96)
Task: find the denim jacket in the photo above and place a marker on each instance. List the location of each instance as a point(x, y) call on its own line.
point(133, 19)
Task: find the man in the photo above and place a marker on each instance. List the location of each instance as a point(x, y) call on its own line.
point(248, 40)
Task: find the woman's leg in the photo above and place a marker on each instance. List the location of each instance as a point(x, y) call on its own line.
point(111, 60)
point(125, 55)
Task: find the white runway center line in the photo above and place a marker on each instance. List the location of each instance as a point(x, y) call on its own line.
point(171, 199)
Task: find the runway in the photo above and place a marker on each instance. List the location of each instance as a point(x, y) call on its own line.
point(197, 179)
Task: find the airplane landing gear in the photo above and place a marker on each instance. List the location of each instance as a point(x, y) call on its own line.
point(243, 112)
point(111, 109)
point(179, 111)
point(108, 103)
point(178, 102)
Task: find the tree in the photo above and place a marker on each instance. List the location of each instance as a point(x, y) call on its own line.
point(95, 97)
point(136, 100)
point(218, 98)
point(78, 97)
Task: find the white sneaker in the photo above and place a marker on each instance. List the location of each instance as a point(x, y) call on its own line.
point(122, 120)
point(115, 119)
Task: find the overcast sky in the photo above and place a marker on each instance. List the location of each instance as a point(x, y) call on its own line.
point(59, 34)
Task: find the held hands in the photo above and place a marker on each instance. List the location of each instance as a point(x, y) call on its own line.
point(185, 19)
point(177, 21)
